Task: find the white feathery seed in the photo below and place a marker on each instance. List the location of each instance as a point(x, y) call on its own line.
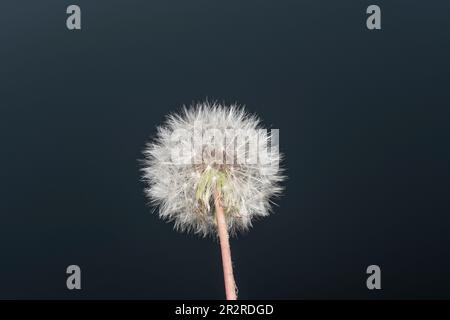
point(184, 191)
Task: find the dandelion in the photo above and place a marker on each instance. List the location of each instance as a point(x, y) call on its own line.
point(209, 171)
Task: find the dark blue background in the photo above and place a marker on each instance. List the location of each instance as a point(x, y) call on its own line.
point(364, 124)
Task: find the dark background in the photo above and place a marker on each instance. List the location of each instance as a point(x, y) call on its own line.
point(364, 124)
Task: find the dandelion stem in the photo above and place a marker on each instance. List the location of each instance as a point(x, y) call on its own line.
point(230, 285)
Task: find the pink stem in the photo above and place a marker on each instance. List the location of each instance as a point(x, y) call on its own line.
point(230, 285)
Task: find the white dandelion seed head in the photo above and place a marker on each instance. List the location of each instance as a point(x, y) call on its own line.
point(210, 149)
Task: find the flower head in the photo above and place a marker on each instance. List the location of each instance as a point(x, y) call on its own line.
point(207, 151)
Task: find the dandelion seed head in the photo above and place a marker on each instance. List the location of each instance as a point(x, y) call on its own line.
point(183, 190)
